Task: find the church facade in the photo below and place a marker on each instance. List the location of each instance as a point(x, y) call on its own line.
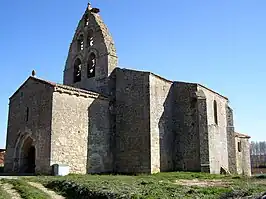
point(104, 119)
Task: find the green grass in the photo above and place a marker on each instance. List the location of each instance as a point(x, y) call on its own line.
point(25, 190)
point(162, 185)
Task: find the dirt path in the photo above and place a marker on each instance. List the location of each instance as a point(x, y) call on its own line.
point(8, 188)
point(8, 177)
point(52, 194)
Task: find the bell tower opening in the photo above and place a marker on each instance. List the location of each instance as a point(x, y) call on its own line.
point(92, 47)
point(90, 38)
point(80, 43)
point(91, 65)
point(77, 70)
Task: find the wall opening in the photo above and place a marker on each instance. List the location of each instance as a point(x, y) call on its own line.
point(91, 65)
point(77, 70)
point(215, 112)
point(80, 42)
point(239, 148)
point(86, 20)
point(27, 157)
point(90, 38)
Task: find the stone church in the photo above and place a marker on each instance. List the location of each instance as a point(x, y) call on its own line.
point(105, 119)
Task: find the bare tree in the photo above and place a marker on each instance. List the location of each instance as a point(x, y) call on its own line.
point(258, 154)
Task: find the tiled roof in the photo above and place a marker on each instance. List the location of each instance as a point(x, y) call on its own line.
point(64, 87)
point(70, 88)
point(240, 135)
point(213, 91)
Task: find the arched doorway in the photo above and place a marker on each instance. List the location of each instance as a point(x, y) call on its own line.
point(27, 157)
point(31, 160)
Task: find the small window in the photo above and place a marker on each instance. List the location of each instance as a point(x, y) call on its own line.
point(91, 65)
point(27, 114)
point(193, 103)
point(215, 112)
point(80, 43)
point(86, 20)
point(90, 38)
point(239, 146)
point(77, 71)
point(21, 97)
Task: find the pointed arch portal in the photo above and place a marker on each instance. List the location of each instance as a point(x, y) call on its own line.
point(25, 154)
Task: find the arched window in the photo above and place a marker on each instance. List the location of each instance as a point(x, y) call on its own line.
point(215, 112)
point(90, 38)
point(80, 43)
point(77, 71)
point(91, 65)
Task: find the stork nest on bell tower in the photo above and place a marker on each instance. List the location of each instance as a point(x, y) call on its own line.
point(93, 10)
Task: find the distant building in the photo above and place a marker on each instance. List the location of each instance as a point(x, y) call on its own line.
point(104, 119)
point(2, 156)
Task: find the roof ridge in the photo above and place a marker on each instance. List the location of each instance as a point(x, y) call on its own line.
point(61, 86)
point(242, 135)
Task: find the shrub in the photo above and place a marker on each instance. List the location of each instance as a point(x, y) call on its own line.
point(262, 176)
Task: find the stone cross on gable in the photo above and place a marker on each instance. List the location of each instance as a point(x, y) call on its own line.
point(89, 6)
point(33, 73)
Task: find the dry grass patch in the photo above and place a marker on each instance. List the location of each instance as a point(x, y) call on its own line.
point(203, 183)
point(3, 193)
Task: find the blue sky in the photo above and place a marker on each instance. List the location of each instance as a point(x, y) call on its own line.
point(220, 44)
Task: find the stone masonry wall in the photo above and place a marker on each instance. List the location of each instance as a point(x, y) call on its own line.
point(218, 150)
point(81, 133)
point(231, 145)
point(132, 122)
point(202, 121)
point(187, 151)
point(239, 156)
point(100, 145)
point(162, 137)
point(102, 46)
point(243, 156)
point(246, 157)
point(37, 96)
